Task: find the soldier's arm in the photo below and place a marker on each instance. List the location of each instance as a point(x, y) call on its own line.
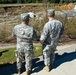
point(44, 34)
point(62, 31)
point(13, 34)
point(35, 37)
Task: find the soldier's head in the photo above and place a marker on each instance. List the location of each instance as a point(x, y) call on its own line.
point(51, 13)
point(25, 18)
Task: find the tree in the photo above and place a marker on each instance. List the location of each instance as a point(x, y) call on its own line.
point(18, 1)
point(61, 1)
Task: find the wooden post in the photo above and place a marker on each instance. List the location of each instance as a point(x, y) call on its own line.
point(44, 2)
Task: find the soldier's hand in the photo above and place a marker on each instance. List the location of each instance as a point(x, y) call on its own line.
point(42, 43)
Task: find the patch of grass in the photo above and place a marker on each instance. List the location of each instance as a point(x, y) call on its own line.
point(37, 51)
point(8, 55)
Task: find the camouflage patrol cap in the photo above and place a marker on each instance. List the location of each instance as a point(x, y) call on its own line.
point(51, 12)
point(25, 16)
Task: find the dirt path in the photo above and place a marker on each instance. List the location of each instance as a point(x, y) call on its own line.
point(10, 45)
point(61, 45)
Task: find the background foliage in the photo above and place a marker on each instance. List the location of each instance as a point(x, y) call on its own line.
point(36, 1)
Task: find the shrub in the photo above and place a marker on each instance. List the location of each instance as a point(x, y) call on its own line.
point(5, 33)
point(69, 26)
point(38, 24)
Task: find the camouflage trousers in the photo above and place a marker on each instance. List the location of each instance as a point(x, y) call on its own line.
point(48, 55)
point(28, 55)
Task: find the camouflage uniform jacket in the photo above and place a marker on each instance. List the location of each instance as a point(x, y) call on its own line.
point(25, 35)
point(51, 33)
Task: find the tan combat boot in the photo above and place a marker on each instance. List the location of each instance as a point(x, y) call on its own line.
point(28, 72)
point(18, 71)
point(46, 68)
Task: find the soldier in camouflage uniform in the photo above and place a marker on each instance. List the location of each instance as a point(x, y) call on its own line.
point(25, 35)
point(50, 35)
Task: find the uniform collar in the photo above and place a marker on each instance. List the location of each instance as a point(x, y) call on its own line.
point(23, 24)
point(51, 19)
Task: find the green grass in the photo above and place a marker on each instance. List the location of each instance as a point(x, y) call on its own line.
point(37, 51)
point(8, 55)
